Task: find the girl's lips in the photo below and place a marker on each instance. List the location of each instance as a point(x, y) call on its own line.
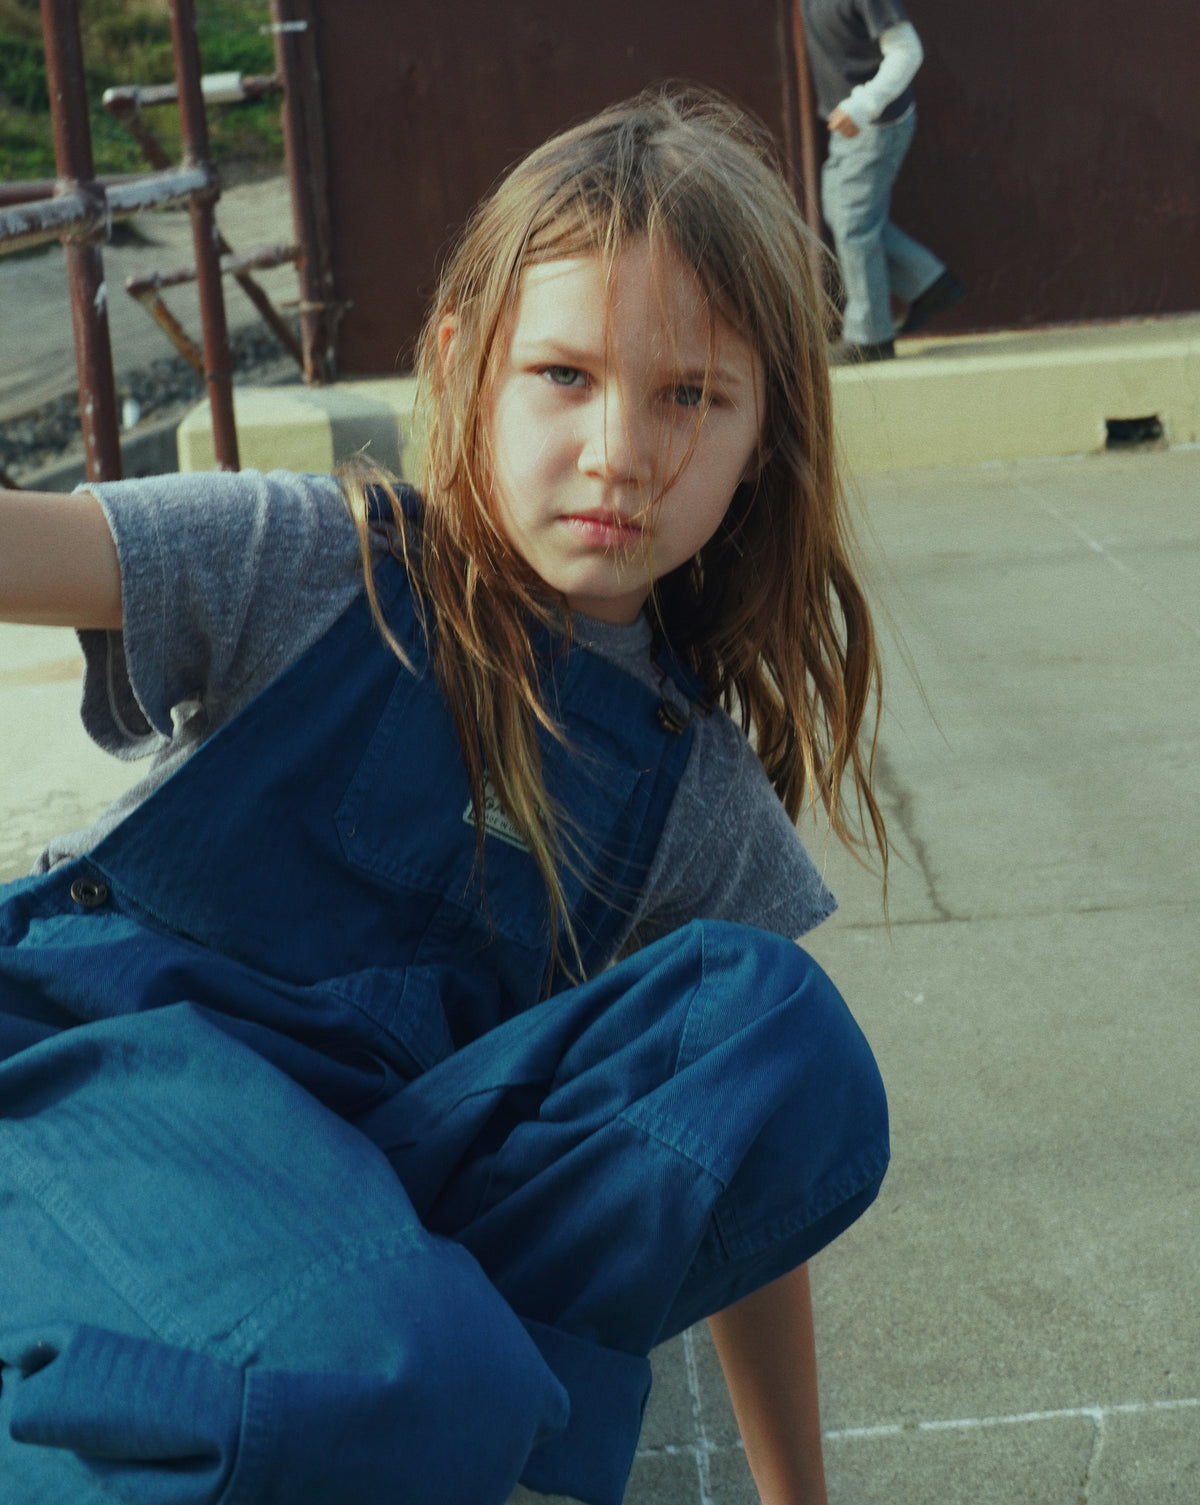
point(605, 529)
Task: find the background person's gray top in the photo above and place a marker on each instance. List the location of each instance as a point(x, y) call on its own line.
point(227, 579)
point(841, 38)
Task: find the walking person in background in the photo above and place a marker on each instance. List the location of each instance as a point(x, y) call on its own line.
point(864, 55)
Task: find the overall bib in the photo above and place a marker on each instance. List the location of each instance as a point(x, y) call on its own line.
point(309, 1194)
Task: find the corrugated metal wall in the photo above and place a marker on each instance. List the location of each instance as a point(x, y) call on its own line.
point(1057, 164)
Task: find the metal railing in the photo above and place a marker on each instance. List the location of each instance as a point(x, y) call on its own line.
point(125, 105)
point(294, 27)
point(79, 209)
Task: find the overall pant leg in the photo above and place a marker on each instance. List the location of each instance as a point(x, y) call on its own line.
point(215, 1292)
point(638, 1152)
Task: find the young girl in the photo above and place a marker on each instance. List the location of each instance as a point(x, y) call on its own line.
point(422, 1040)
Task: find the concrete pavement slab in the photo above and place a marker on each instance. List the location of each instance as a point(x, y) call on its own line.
point(1151, 1458)
point(1039, 1464)
point(1036, 1243)
point(53, 778)
point(1017, 1316)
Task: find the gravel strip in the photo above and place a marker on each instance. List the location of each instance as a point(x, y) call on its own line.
point(165, 389)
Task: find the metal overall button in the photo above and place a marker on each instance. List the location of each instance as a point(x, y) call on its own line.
point(89, 893)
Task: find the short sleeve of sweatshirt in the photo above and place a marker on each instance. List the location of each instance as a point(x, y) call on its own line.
point(879, 15)
point(214, 608)
point(842, 41)
point(729, 850)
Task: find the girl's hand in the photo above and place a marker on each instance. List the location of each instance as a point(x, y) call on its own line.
point(58, 562)
point(842, 123)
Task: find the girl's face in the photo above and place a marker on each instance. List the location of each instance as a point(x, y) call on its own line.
point(594, 409)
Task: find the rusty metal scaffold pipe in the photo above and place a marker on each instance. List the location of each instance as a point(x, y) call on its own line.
point(123, 105)
point(218, 364)
point(304, 145)
point(84, 211)
point(85, 267)
point(30, 190)
point(808, 144)
point(171, 327)
point(217, 88)
point(146, 291)
point(262, 259)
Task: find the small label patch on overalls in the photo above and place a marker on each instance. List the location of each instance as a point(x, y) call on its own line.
point(496, 821)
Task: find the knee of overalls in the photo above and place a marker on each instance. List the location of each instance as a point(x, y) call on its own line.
point(729, 1052)
point(786, 1102)
point(774, 1010)
point(215, 1290)
point(766, 1032)
point(369, 1392)
point(784, 1094)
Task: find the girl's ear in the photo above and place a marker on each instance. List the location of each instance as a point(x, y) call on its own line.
point(447, 332)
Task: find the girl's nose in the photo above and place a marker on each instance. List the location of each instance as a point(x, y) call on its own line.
point(617, 444)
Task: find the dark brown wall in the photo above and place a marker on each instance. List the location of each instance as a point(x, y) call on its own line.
point(1057, 160)
point(427, 103)
point(1056, 167)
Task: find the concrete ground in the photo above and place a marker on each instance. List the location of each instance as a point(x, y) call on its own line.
point(37, 310)
point(1017, 1317)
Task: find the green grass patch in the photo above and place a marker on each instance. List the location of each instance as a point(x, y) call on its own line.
point(129, 42)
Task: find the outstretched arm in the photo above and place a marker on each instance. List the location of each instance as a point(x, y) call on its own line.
point(58, 562)
point(768, 1354)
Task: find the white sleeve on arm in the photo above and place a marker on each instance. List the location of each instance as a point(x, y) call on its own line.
point(902, 56)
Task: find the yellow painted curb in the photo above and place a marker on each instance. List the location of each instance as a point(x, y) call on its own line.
point(1018, 396)
point(1007, 396)
point(311, 428)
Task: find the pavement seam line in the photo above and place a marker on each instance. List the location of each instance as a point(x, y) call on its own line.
point(1096, 1414)
point(703, 1446)
point(1119, 565)
point(1092, 1468)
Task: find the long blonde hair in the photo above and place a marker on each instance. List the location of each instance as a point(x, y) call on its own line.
point(768, 614)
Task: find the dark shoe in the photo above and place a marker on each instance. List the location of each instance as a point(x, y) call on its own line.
point(844, 353)
point(935, 300)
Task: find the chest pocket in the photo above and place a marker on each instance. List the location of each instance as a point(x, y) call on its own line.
point(405, 821)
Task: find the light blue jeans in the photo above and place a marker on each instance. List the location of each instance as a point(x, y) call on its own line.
point(875, 258)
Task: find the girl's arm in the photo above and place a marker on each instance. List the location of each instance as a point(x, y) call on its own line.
point(58, 561)
point(768, 1353)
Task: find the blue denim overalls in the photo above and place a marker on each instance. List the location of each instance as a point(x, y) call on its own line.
point(308, 1196)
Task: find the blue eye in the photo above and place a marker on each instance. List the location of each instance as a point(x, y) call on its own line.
point(687, 397)
point(563, 376)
